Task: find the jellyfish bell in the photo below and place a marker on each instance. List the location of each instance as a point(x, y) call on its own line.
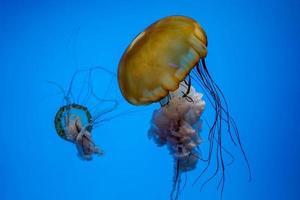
point(74, 121)
point(159, 58)
point(159, 65)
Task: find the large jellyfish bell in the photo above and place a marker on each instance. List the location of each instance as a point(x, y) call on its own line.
point(159, 66)
point(160, 58)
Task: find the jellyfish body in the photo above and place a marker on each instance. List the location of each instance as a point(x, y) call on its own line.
point(74, 122)
point(159, 65)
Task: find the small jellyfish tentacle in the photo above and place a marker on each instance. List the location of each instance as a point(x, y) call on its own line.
point(86, 147)
point(92, 147)
point(106, 111)
point(113, 77)
point(68, 94)
point(70, 88)
point(99, 116)
point(66, 98)
point(90, 80)
point(113, 106)
point(90, 91)
point(88, 137)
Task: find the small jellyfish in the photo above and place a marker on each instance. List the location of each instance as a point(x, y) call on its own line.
point(159, 65)
point(74, 122)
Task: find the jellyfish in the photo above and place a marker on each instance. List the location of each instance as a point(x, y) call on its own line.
point(74, 121)
point(159, 65)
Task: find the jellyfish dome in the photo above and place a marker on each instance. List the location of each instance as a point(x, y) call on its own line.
point(159, 58)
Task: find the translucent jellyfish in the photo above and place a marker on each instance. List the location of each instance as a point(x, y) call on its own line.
point(74, 122)
point(160, 65)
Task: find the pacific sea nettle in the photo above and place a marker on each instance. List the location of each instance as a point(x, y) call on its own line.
point(159, 65)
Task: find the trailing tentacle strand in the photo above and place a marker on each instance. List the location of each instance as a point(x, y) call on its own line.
point(219, 103)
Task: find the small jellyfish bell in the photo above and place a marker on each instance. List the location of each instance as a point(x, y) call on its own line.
point(74, 121)
point(159, 66)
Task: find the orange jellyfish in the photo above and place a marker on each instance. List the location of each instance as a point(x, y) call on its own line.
point(160, 65)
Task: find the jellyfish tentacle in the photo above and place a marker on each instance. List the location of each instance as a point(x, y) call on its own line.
point(90, 92)
point(224, 149)
point(242, 149)
point(177, 181)
point(114, 106)
point(185, 182)
point(229, 120)
point(188, 83)
point(218, 90)
point(216, 126)
point(220, 106)
point(86, 147)
point(66, 97)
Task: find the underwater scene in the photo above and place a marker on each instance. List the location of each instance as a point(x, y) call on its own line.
point(164, 100)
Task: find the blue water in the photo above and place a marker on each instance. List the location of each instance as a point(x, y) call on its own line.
point(253, 55)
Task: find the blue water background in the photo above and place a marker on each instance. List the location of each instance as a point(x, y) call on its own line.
point(253, 55)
